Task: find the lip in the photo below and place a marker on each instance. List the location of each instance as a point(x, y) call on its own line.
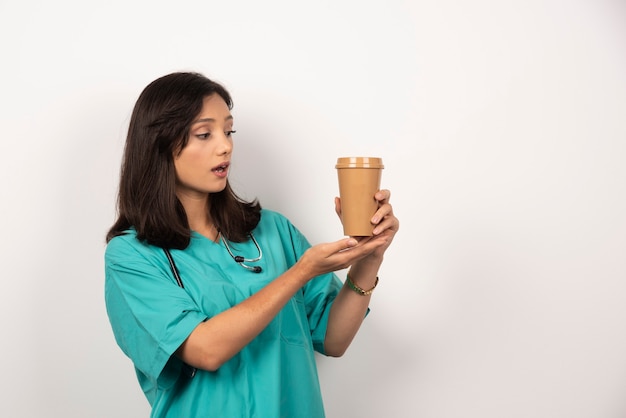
point(221, 170)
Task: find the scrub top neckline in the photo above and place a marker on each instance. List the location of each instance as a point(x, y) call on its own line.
point(203, 238)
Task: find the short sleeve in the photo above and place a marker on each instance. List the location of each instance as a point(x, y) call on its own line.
point(150, 315)
point(319, 293)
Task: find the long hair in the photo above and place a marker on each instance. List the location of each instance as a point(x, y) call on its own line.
point(159, 127)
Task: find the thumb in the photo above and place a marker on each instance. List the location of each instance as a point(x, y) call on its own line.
point(341, 245)
point(347, 243)
point(338, 206)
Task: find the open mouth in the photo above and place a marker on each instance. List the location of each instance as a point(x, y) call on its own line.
point(222, 168)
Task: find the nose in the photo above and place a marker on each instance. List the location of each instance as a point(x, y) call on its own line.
point(225, 146)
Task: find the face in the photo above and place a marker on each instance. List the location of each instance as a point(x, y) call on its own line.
point(202, 166)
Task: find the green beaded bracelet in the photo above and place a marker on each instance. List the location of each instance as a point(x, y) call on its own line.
point(357, 289)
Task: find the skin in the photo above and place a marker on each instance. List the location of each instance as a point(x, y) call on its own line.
point(219, 338)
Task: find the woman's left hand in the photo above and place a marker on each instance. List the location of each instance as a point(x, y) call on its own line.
point(386, 224)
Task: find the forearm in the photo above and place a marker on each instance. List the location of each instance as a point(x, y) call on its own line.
point(349, 309)
point(218, 339)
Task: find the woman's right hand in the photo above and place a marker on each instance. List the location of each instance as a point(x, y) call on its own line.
point(218, 339)
point(333, 256)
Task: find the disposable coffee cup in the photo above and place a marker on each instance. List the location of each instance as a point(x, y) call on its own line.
point(359, 180)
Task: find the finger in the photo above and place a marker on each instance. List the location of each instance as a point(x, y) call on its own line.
point(341, 245)
point(347, 256)
point(365, 247)
point(383, 195)
point(389, 221)
point(338, 206)
point(382, 212)
point(361, 239)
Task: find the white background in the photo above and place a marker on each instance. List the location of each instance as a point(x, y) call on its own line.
point(502, 125)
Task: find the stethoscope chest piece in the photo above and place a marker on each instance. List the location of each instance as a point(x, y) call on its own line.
point(242, 260)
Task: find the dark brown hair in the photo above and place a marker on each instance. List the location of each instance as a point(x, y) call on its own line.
point(159, 127)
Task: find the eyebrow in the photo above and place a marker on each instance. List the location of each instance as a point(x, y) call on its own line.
point(229, 117)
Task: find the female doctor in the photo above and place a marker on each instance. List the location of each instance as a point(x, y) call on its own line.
point(220, 304)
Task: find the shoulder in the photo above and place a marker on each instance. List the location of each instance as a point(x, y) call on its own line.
point(271, 219)
point(275, 224)
point(271, 216)
point(126, 247)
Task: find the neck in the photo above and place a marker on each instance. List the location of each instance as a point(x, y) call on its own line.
point(197, 211)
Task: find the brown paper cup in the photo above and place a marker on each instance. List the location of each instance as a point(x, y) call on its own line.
point(359, 180)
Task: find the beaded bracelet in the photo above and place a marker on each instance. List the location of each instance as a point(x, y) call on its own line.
point(357, 289)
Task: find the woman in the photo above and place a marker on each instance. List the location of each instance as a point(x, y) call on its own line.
point(220, 304)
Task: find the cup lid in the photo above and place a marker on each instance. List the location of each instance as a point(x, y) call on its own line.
point(359, 162)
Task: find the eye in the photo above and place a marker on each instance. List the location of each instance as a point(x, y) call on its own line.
point(230, 133)
point(204, 135)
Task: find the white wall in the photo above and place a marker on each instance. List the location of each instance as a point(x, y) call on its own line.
point(503, 129)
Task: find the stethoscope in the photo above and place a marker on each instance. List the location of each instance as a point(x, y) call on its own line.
point(241, 260)
point(188, 370)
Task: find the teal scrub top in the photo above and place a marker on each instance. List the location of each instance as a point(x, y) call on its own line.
point(275, 375)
